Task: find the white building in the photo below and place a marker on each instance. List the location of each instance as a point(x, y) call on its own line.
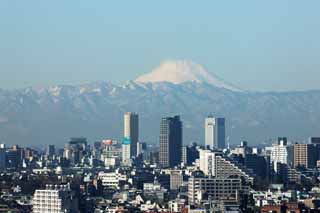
point(207, 162)
point(214, 164)
point(126, 147)
point(111, 162)
point(111, 179)
point(279, 153)
point(176, 179)
point(54, 199)
point(152, 186)
point(215, 133)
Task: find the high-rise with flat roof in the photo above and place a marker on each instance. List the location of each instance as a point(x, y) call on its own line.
point(279, 153)
point(131, 131)
point(50, 150)
point(215, 133)
point(305, 155)
point(170, 141)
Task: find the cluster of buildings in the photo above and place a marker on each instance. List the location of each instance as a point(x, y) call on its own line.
point(128, 175)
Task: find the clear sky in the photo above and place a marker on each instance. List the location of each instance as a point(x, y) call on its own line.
point(257, 45)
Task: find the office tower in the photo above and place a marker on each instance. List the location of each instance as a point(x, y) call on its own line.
point(189, 154)
point(170, 141)
point(260, 165)
point(314, 140)
point(141, 148)
point(305, 155)
point(54, 199)
point(51, 150)
point(126, 152)
point(2, 158)
point(14, 157)
point(131, 131)
point(215, 133)
point(75, 150)
point(184, 155)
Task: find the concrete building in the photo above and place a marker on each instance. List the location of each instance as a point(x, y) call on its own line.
point(170, 141)
point(176, 179)
point(54, 199)
point(305, 155)
point(75, 150)
point(111, 179)
point(215, 133)
point(214, 164)
point(141, 148)
point(243, 149)
point(279, 153)
point(206, 188)
point(207, 162)
point(131, 131)
point(126, 152)
point(189, 154)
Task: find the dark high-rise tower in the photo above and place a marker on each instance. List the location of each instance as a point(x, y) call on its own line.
point(131, 131)
point(170, 141)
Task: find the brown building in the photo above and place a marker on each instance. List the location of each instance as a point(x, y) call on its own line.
point(285, 208)
point(305, 155)
point(273, 209)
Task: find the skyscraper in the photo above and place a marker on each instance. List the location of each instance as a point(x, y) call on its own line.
point(170, 141)
point(126, 150)
point(305, 155)
point(50, 150)
point(2, 158)
point(215, 133)
point(131, 131)
point(279, 153)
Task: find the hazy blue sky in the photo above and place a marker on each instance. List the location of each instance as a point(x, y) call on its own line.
point(262, 45)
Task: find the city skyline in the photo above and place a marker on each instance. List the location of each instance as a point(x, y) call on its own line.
point(168, 106)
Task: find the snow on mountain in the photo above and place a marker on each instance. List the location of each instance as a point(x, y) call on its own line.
point(181, 71)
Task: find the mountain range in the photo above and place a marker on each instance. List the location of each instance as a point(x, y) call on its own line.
point(53, 114)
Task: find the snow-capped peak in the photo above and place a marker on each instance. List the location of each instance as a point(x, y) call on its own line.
point(181, 71)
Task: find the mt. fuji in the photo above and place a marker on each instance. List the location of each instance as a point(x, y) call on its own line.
point(181, 71)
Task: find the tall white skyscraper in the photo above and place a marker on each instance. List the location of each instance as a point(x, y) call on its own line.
point(131, 131)
point(215, 133)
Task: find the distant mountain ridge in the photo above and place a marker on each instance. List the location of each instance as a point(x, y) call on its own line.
point(51, 115)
